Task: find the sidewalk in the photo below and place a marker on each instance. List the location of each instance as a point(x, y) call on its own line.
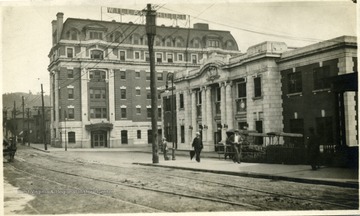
point(210, 162)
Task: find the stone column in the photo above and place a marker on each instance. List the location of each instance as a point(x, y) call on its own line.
point(187, 113)
point(193, 114)
point(111, 104)
point(229, 106)
point(209, 121)
point(203, 113)
point(223, 109)
point(85, 142)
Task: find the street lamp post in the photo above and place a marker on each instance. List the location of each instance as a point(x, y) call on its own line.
point(171, 76)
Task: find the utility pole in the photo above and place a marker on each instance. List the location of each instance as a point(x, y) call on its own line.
point(65, 117)
point(28, 125)
point(43, 114)
point(23, 120)
point(14, 121)
point(151, 32)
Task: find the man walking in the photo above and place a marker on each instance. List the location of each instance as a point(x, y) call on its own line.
point(313, 149)
point(235, 141)
point(198, 146)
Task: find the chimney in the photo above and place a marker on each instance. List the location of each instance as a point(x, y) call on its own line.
point(201, 26)
point(53, 24)
point(59, 17)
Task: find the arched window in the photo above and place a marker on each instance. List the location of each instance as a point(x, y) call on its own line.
point(136, 39)
point(168, 42)
point(196, 43)
point(158, 41)
point(229, 44)
point(72, 34)
point(179, 42)
point(96, 54)
point(116, 37)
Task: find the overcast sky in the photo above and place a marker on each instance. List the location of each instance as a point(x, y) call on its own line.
point(26, 27)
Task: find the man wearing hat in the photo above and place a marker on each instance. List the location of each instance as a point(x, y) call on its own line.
point(235, 141)
point(198, 146)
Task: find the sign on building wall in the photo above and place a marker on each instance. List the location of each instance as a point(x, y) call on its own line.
point(139, 12)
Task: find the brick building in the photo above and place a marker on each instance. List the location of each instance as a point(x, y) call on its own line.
point(100, 77)
point(270, 88)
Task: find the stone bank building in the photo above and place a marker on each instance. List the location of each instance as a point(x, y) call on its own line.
point(272, 88)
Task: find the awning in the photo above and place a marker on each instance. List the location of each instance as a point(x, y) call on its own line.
point(99, 126)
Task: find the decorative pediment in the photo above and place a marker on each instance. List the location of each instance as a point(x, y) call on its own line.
point(211, 71)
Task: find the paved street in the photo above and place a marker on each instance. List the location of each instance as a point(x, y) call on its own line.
point(113, 182)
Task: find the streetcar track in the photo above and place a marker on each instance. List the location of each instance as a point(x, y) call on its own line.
point(217, 200)
point(79, 189)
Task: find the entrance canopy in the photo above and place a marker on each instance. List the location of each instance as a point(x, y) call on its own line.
point(99, 126)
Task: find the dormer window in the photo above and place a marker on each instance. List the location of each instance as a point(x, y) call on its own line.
point(96, 35)
point(213, 43)
point(72, 34)
point(97, 54)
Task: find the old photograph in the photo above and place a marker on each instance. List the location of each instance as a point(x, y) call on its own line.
point(218, 107)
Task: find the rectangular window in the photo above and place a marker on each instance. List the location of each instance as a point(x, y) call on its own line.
point(137, 55)
point(241, 90)
point(124, 137)
point(96, 76)
point(259, 128)
point(97, 93)
point(148, 112)
point(138, 92)
point(257, 86)
point(320, 78)
point(147, 57)
point(122, 55)
point(182, 133)
point(70, 73)
point(148, 94)
point(170, 57)
point(71, 113)
point(98, 113)
point(147, 75)
point(137, 74)
point(218, 101)
point(160, 76)
point(123, 113)
point(294, 82)
point(96, 35)
point(70, 52)
point(71, 137)
point(159, 113)
point(70, 93)
point(122, 74)
point(194, 59)
point(138, 111)
point(138, 132)
point(158, 57)
point(180, 57)
point(181, 101)
point(123, 93)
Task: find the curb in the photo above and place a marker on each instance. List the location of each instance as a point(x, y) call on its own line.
point(354, 185)
point(47, 151)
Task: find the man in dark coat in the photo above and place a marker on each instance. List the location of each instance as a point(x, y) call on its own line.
point(198, 146)
point(313, 149)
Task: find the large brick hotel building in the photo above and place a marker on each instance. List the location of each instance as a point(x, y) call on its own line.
point(99, 74)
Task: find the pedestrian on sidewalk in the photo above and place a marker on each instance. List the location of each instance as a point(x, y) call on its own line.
point(198, 146)
point(313, 149)
point(235, 141)
point(165, 148)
